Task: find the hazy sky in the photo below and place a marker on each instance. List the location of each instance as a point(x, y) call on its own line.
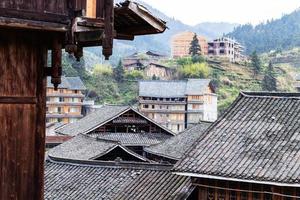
point(240, 11)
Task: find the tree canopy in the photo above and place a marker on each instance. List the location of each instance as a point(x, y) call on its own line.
point(195, 48)
point(269, 80)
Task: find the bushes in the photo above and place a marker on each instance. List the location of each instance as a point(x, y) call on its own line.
point(134, 75)
point(104, 70)
point(196, 70)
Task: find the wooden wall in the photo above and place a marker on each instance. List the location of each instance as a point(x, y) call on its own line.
point(22, 115)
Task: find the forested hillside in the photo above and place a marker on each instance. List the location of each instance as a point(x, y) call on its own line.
point(280, 34)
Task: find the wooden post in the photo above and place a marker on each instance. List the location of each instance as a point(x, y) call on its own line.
point(23, 56)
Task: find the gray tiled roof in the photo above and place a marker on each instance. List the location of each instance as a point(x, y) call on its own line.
point(98, 118)
point(257, 139)
point(93, 120)
point(175, 147)
point(133, 139)
point(173, 88)
point(83, 147)
point(72, 83)
point(81, 182)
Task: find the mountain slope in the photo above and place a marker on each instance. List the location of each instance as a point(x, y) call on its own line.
point(161, 42)
point(277, 34)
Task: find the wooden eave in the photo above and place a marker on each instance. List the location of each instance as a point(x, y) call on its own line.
point(132, 19)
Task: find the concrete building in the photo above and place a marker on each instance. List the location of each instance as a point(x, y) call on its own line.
point(226, 48)
point(178, 104)
point(180, 44)
point(65, 104)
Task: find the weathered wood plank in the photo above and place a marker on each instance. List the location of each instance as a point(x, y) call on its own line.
point(22, 121)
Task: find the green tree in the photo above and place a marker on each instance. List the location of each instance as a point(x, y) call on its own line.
point(255, 63)
point(196, 70)
point(269, 80)
point(195, 48)
point(119, 73)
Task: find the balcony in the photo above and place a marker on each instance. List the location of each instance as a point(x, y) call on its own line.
point(161, 111)
point(64, 103)
point(196, 101)
point(65, 95)
point(156, 102)
point(63, 115)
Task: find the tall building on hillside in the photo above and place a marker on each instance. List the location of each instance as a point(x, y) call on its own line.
point(180, 44)
point(65, 104)
point(227, 48)
point(178, 104)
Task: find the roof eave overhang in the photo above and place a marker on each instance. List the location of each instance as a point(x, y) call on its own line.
point(236, 179)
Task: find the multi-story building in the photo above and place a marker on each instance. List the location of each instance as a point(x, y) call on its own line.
point(227, 48)
point(181, 43)
point(65, 104)
point(178, 104)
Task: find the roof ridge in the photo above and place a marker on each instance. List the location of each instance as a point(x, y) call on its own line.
point(111, 164)
point(266, 94)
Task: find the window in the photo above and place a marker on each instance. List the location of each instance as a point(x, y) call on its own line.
point(61, 90)
point(146, 106)
point(233, 195)
point(48, 99)
point(153, 106)
point(210, 194)
point(59, 110)
point(76, 91)
point(244, 196)
point(61, 99)
point(178, 127)
point(195, 106)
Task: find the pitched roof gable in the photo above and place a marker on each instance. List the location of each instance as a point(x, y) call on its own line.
point(82, 147)
point(100, 117)
point(257, 139)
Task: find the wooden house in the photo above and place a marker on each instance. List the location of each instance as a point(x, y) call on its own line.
point(178, 105)
point(252, 152)
point(65, 104)
point(28, 29)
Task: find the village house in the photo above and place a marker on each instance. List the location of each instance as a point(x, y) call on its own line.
point(158, 71)
point(122, 170)
point(101, 177)
point(297, 82)
point(150, 64)
point(122, 124)
point(65, 104)
point(251, 152)
point(178, 104)
point(138, 61)
point(104, 159)
point(225, 47)
point(181, 43)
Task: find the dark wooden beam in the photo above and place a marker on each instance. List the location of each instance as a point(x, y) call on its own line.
point(33, 15)
point(7, 22)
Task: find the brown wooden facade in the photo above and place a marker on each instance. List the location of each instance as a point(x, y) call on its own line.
point(210, 189)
